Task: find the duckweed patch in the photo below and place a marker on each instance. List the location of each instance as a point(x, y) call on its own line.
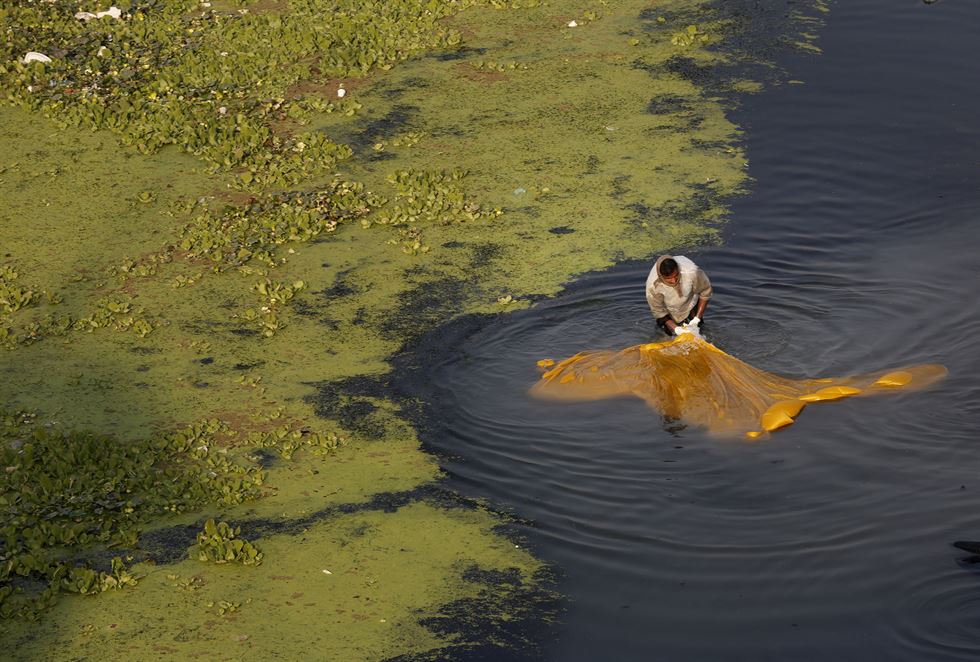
point(212, 80)
point(64, 492)
point(525, 616)
point(361, 198)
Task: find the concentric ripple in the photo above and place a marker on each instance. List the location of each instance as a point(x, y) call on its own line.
point(854, 252)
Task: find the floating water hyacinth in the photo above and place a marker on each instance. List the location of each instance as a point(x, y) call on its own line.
point(690, 379)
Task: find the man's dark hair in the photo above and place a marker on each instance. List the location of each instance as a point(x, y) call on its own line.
point(668, 267)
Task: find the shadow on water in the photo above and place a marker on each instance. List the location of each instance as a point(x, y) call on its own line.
point(855, 252)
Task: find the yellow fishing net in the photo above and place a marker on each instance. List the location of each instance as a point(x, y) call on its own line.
point(689, 379)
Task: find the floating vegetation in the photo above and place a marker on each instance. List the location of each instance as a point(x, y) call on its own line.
point(407, 139)
point(223, 607)
point(692, 36)
point(116, 312)
point(431, 197)
point(276, 292)
point(168, 73)
point(13, 297)
point(268, 321)
point(236, 235)
point(218, 543)
point(286, 440)
point(243, 86)
point(139, 268)
point(64, 491)
point(498, 66)
point(187, 583)
point(119, 313)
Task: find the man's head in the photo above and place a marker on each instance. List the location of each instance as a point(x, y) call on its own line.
point(668, 270)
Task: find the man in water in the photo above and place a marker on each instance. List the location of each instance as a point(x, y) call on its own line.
point(678, 292)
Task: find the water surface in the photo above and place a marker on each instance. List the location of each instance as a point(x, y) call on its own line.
point(854, 251)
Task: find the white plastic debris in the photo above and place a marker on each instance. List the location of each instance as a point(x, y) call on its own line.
point(112, 12)
point(327, 572)
point(572, 24)
point(222, 110)
point(102, 51)
point(34, 56)
point(341, 92)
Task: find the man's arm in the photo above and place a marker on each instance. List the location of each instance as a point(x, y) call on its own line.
point(703, 287)
point(702, 304)
point(656, 302)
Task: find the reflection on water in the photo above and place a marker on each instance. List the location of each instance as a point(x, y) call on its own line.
point(690, 380)
point(854, 252)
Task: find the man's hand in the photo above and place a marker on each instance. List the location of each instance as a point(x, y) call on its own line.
point(694, 321)
point(680, 330)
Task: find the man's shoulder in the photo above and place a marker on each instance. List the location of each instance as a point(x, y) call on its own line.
point(652, 278)
point(685, 263)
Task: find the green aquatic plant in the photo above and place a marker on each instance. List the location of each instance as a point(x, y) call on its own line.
point(689, 37)
point(62, 492)
point(287, 440)
point(236, 235)
point(87, 581)
point(14, 297)
point(501, 67)
point(276, 293)
point(224, 607)
point(16, 602)
point(119, 313)
point(173, 72)
point(407, 139)
point(431, 197)
point(218, 543)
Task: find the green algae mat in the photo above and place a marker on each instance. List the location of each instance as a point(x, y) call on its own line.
point(216, 216)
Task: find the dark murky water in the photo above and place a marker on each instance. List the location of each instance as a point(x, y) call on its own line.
point(855, 251)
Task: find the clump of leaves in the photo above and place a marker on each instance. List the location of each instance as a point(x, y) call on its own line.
point(218, 543)
point(64, 491)
point(431, 197)
point(276, 292)
point(484, 65)
point(86, 581)
point(13, 297)
point(119, 313)
point(237, 235)
point(407, 139)
point(691, 36)
point(286, 440)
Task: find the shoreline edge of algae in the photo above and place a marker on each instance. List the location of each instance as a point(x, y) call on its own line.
point(186, 289)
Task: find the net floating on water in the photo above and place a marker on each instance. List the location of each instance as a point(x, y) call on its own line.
point(689, 379)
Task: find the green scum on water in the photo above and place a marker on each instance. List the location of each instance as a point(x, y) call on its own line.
point(218, 214)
